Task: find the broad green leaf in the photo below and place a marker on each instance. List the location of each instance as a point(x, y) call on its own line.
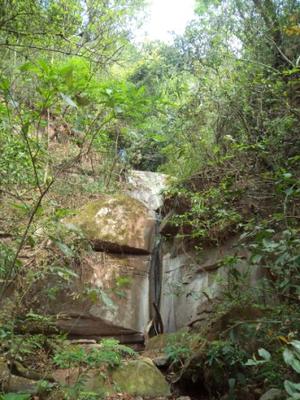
point(291, 359)
point(288, 356)
point(107, 300)
point(15, 396)
point(254, 363)
point(255, 259)
point(287, 175)
point(118, 110)
point(293, 389)
point(29, 67)
point(67, 251)
point(4, 84)
point(64, 273)
point(296, 344)
point(68, 100)
point(264, 354)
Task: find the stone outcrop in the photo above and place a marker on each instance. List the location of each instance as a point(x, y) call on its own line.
point(191, 283)
point(18, 384)
point(117, 300)
point(111, 296)
point(129, 270)
point(117, 224)
point(135, 377)
point(141, 378)
point(13, 383)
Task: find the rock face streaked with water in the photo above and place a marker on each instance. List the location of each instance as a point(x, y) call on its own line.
point(147, 187)
point(129, 269)
point(122, 229)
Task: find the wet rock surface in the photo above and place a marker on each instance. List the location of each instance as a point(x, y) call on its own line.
point(147, 187)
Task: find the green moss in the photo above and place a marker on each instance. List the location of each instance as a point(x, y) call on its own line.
point(140, 378)
point(134, 377)
point(130, 208)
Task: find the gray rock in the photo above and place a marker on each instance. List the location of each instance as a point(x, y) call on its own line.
point(18, 384)
point(272, 394)
point(139, 378)
point(183, 398)
point(162, 361)
point(147, 187)
point(117, 224)
point(4, 371)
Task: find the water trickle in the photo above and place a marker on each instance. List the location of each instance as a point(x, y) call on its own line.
point(155, 274)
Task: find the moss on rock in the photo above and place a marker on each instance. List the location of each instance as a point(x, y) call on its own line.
point(116, 224)
point(140, 378)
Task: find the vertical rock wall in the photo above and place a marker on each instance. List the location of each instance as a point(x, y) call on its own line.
point(133, 266)
point(192, 282)
point(125, 267)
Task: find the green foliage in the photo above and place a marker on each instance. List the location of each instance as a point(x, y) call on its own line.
point(209, 212)
point(15, 396)
point(109, 354)
point(19, 347)
point(15, 163)
point(280, 256)
point(7, 254)
point(178, 351)
point(292, 389)
point(291, 356)
point(179, 347)
point(265, 357)
point(225, 359)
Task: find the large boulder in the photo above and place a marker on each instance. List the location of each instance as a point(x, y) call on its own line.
point(13, 383)
point(117, 224)
point(109, 298)
point(18, 384)
point(134, 377)
point(141, 378)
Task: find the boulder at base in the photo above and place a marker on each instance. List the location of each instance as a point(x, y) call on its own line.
point(18, 384)
point(140, 378)
point(117, 224)
point(135, 377)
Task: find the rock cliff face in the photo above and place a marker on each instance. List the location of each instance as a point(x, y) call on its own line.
point(117, 304)
point(192, 282)
point(133, 266)
point(119, 275)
